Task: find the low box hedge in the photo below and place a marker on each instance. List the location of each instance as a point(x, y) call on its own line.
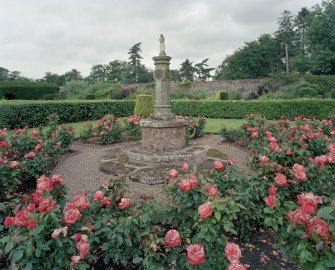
point(14, 114)
point(35, 113)
point(26, 90)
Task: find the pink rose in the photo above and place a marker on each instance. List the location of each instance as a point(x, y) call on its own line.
point(56, 179)
point(263, 160)
point(172, 239)
point(105, 201)
point(4, 144)
point(184, 185)
point(75, 260)
point(219, 166)
point(272, 191)
point(30, 155)
point(21, 218)
point(185, 167)
point(270, 201)
point(105, 184)
point(32, 224)
point(231, 161)
point(35, 133)
point(309, 202)
point(71, 216)
point(321, 160)
point(205, 211)
point(237, 266)
point(124, 204)
point(233, 252)
point(173, 174)
point(98, 195)
point(46, 205)
point(254, 135)
point(212, 191)
point(9, 221)
point(83, 247)
point(14, 165)
point(55, 234)
point(280, 180)
point(31, 207)
point(299, 172)
point(195, 254)
point(297, 217)
point(193, 181)
point(319, 226)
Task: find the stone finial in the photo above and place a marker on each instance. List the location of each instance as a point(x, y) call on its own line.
point(162, 46)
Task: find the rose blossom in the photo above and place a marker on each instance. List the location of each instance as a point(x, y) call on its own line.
point(76, 237)
point(299, 172)
point(9, 221)
point(280, 180)
point(254, 135)
point(297, 217)
point(263, 160)
point(172, 239)
point(79, 202)
point(195, 254)
point(205, 211)
point(272, 191)
point(30, 155)
point(124, 204)
point(184, 185)
point(106, 201)
point(185, 167)
point(233, 252)
point(44, 184)
point(98, 195)
point(21, 218)
point(105, 184)
point(75, 260)
point(56, 179)
point(173, 174)
point(309, 202)
point(331, 148)
point(56, 233)
point(83, 247)
point(231, 161)
point(32, 224)
point(319, 226)
point(35, 133)
point(270, 201)
point(71, 216)
point(14, 165)
point(212, 191)
point(237, 266)
point(4, 144)
point(193, 181)
point(46, 205)
point(218, 165)
point(31, 207)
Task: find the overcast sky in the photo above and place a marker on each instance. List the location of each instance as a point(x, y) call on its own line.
point(57, 35)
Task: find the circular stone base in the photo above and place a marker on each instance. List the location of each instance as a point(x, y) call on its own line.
point(151, 168)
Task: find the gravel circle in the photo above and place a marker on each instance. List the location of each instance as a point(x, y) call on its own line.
point(81, 170)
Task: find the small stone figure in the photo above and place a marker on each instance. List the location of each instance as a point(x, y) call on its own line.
point(162, 46)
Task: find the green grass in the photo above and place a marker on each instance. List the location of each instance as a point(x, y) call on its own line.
point(215, 125)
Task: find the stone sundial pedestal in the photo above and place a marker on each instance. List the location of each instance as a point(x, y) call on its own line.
point(162, 131)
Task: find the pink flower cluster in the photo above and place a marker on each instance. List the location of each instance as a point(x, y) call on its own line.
point(82, 246)
point(233, 254)
point(72, 209)
point(271, 199)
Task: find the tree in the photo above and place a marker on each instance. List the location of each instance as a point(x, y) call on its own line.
point(98, 73)
point(321, 39)
point(135, 63)
point(73, 75)
point(54, 78)
point(187, 71)
point(4, 74)
point(15, 76)
point(203, 73)
point(175, 75)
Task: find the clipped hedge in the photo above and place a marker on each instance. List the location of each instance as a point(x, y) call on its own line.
point(34, 113)
point(271, 109)
point(26, 90)
point(14, 114)
point(144, 105)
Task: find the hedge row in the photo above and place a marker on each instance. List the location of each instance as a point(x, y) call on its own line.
point(26, 90)
point(18, 113)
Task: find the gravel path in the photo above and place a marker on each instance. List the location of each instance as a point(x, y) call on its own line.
point(81, 170)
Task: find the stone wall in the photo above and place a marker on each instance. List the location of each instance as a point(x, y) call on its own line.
point(240, 86)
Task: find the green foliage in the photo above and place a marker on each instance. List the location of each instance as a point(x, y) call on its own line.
point(272, 109)
point(185, 84)
point(300, 90)
point(26, 90)
point(90, 97)
point(144, 105)
point(49, 97)
point(187, 70)
point(332, 94)
point(234, 134)
point(325, 83)
point(35, 113)
point(234, 96)
point(224, 96)
point(276, 81)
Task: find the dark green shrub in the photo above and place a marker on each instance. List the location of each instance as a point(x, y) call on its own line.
point(19, 113)
point(276, 81)
point(184, 84)
point(325, 83)
point(332, 94)
point(224, 96)
point(90, 97)
point(233, 134)
point(144, 105)
point(49, 97)
point(234, 96)
point(26, 90)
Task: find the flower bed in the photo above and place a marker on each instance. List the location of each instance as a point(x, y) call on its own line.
point(25, 155)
